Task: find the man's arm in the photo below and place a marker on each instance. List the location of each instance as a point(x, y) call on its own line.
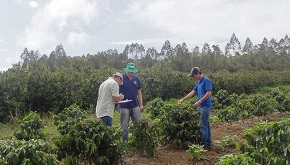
point(189, 95)
point(140, 99)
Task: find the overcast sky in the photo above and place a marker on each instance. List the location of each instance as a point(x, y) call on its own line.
point(89, 26)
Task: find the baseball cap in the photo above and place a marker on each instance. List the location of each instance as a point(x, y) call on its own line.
point(194, 71)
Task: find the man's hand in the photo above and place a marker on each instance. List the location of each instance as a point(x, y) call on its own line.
point(141, 108)
point(196, 104)
point(180, 101)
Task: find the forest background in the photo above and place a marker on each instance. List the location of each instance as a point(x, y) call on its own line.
point(50, 83)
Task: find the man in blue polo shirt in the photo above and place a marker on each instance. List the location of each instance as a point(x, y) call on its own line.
point(131, 89)
point(203, 89)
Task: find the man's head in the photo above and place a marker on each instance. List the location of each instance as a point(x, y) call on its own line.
point(130, 70)
point(118, 77)
point(194, 71)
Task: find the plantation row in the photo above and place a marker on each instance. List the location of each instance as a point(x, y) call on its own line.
point(83, 139)
point(40, 90)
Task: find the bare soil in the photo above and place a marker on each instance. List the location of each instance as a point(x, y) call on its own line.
point(167, 155)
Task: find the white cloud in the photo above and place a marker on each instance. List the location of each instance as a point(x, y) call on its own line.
point(79, 39)
point(52, 22)
point(194, 21)
point(84, 9)
point(3, 50)
point(33, 4)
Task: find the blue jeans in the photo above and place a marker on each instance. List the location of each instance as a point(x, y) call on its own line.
point(205, 126)
point(125, 114)
point(107, 120)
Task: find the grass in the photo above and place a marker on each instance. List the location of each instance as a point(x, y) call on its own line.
point(284, 87)
point(273, 89)
point(7, 130)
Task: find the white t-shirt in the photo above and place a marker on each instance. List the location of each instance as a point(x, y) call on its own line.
point(105, 104)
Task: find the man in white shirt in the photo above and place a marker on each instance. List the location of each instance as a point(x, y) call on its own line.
point(107, 98)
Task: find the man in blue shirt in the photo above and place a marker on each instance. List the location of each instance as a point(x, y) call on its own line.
point(203, 89)
point(131, 89)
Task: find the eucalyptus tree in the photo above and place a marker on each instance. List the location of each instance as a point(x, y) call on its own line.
point(233, 47)
point(134, 51)
point(166, 50)
point(195, 51)
point(152, 53)
point(181, 60)
point(248, 47)
point(218, 58)
point(29, 56)
point(206, 49)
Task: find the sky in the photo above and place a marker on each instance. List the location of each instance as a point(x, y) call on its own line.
point(91, 26)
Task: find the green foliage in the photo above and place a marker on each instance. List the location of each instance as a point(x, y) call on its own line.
point(180, 125)
point(92, 141)
point(283, 99)
point(21, 152)
point(240, 159)
point(2, 161)
point(245, 107)
point(228, 141)
point(246, 81)
point(196, 152)
point(31, 127)
point(155, 108)
point(220, 98)
point(268, 143)
point(265, 105)
point(13, 94)
point(228, 114)
point(284, 87)
point(223, 99)
point(86, 139)
point(68, 117)
point(144, 138)
point(162, 82)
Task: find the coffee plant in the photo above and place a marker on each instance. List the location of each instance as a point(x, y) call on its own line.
point(180, 125)
point(83, 139)
point(240, 159)
point(144, 138)
point(228, 114)
point(155, 108)
point(196, 152)
point(31, 127)
point(228, 141)
point(283, 98)
point(223, 99)
point(92, 141)
point(268, 143)
point(68, 117)
point(22, 152)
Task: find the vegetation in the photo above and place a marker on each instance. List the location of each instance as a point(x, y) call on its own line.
point(196, 151)
point(66, 88)
point(31, 127)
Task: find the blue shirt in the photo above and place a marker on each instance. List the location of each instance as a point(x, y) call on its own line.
point(129, 90)
point(201, 87)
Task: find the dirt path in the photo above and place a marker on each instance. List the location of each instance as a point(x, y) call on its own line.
point(170, 156)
